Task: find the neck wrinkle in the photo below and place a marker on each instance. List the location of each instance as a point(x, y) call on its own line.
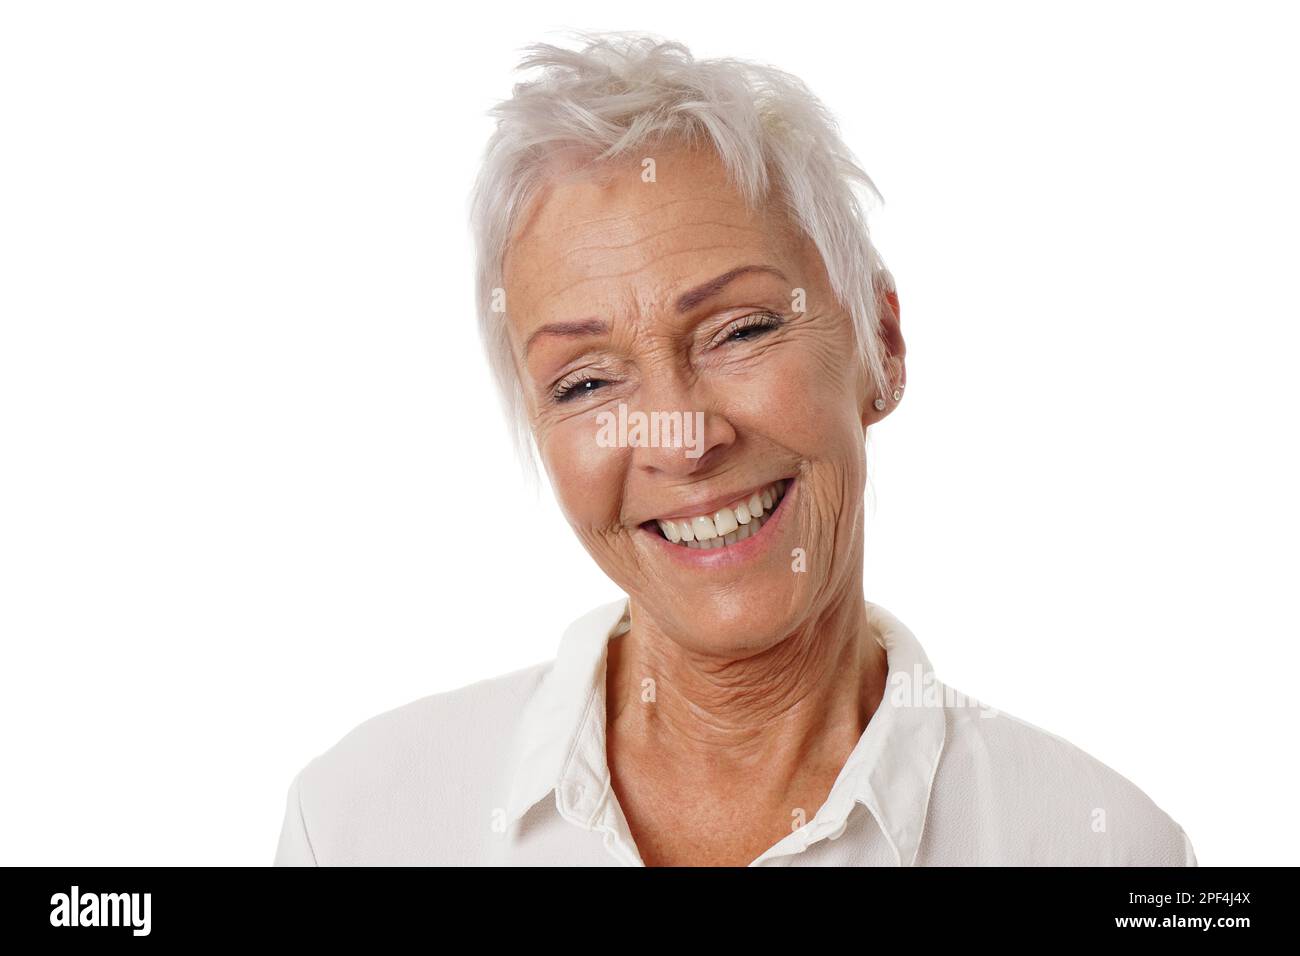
point(807, 698)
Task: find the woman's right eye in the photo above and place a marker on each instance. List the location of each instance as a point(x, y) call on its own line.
point(568, 391)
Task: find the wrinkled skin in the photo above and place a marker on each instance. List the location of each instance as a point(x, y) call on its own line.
point(765, 676)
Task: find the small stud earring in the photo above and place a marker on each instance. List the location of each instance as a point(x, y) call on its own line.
point(880, 404)
point(898, 394)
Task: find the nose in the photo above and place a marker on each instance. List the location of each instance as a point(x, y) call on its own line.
point(686, 434)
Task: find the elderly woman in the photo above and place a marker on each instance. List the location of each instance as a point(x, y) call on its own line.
point(678, 246)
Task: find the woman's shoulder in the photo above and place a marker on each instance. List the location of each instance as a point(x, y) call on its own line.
point(442, 756)
point(1051, 789)
point(436, 727)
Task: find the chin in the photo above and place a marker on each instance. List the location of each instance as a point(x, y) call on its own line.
point(738, 621)
point(738, 624)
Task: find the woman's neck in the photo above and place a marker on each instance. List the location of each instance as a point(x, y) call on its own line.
point(802, 703)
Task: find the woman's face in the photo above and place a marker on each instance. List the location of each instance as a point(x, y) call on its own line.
point(671, 296)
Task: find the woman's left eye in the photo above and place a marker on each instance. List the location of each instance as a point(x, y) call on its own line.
point(568, 391)
point(750, 328)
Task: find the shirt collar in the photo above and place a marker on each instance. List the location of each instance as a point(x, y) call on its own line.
point(890, 770)
point(557, 711)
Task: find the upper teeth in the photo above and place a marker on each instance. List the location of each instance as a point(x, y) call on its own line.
point(727, 525)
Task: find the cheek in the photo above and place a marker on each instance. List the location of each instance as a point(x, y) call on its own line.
point(586, 477)
point(803, 399)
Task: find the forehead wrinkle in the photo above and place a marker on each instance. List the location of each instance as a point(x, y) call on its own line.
point(638, 269)
point(553, 216)
point(572, 252)
point(623, 217)
point(665, 231)
point(556, 218)
point(566, 255)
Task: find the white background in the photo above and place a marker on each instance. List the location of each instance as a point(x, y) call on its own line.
point(254, 486)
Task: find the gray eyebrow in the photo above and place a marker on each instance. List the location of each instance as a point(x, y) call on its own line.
point(579, 328)
point(689, 300)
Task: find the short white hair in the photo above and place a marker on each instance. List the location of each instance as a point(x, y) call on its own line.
point(621, 92)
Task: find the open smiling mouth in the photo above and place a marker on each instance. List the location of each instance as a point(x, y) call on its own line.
point(726, 526)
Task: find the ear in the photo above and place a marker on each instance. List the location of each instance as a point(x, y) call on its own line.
point(895, 353)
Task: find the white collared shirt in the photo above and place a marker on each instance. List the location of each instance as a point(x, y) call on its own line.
point(512, 771)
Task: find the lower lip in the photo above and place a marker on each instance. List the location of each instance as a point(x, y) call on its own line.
point(737, 553)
